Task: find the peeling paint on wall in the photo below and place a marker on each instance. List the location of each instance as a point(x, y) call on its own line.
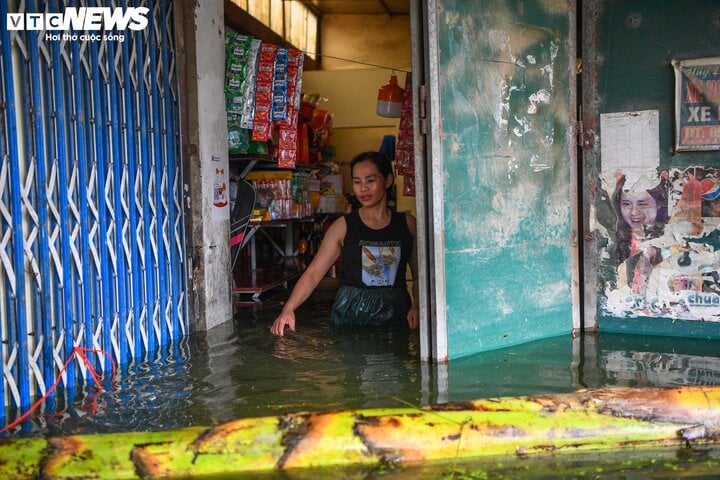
point(523, 140)
point(665, 248)
point(665, 282)
point(505, 107)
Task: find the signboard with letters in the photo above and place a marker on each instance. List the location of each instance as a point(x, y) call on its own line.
point(697, 104)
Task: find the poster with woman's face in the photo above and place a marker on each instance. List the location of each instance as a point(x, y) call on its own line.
point(638, 209)
point(663, 249)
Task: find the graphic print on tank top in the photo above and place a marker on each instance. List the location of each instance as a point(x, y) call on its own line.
point(380, 262)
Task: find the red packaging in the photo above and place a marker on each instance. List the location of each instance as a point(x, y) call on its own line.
point(404, 149)
point(262, 129)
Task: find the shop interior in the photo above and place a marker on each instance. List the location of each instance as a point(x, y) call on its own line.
point(353, 97)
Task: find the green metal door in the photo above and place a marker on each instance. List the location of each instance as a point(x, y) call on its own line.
point(502, 178)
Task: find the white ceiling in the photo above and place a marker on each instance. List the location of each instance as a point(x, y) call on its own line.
point(360, 7)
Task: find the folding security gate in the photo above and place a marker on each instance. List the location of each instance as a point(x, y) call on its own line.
point(91, 224)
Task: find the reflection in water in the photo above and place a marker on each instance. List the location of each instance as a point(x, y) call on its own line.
point(635, 361)
point(241, 370)
point(543, 366)
point(157, 394)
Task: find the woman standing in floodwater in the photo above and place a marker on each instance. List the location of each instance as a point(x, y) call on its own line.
point(377, 245)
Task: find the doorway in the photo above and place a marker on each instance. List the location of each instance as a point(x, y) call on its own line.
point(494, 145)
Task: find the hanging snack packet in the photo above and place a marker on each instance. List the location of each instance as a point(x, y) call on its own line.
point(404, 151)
point(236, 50)
point(280, 85)
point(289, 138)
point(248, 95)
point(263, 92)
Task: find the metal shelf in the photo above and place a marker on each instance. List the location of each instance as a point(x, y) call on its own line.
point(249, 162)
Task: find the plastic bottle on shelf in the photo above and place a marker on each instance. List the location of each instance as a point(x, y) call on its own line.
point(302, 244)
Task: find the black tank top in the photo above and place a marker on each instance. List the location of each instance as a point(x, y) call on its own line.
point(376, 258)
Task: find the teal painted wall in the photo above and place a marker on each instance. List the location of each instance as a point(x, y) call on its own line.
point(635, 43)
point(505, 100)
point(636, 40)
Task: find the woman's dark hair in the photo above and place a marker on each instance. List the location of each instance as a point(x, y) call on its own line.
point(383, 164)
point(623, 233)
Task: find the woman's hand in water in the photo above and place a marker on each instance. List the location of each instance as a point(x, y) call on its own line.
point(413, 317)
point(285, 318)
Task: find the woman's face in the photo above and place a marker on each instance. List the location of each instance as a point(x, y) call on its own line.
point(638, 209)
point(369, 185)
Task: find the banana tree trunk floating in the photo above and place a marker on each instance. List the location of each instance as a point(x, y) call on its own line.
point(607, 420)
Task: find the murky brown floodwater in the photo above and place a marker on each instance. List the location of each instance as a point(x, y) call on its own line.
point(241, 370)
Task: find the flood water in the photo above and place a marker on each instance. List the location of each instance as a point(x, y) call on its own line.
point(241, 370)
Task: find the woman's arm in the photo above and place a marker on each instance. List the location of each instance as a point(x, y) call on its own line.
point(327, 254)
point(413, 316)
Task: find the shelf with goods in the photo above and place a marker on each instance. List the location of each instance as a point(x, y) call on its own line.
point(285, 229)
point(281, 148)
point(277, 259)
point(286, 225)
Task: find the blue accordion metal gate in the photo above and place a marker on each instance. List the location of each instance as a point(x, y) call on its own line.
point(91, 225)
